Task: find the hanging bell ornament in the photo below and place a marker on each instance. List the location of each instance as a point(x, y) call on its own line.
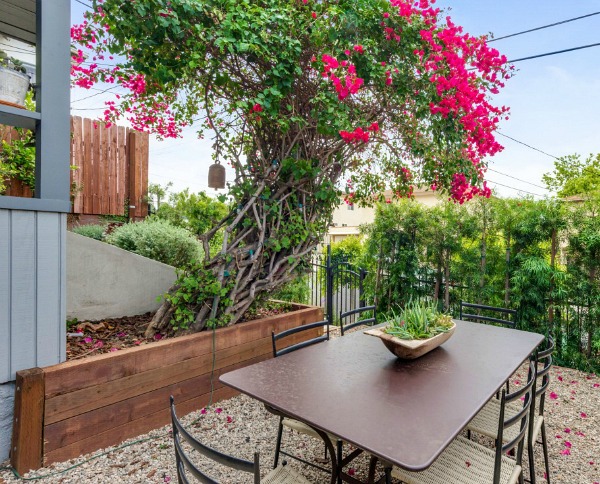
point(216, 176)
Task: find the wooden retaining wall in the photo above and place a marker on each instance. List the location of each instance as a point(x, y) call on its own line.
point(77, 407)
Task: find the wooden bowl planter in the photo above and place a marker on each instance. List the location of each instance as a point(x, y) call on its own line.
point(76, 407)
point(409, 349)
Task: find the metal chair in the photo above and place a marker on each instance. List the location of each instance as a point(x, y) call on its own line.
point(466, 462)
point(279, 475)
point(352, 315)
point(483, 318)
point(301, 427)
point(484, 422)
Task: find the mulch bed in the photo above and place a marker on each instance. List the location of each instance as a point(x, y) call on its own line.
point(89, 338)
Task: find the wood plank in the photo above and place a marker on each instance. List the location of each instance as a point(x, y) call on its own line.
point(103, 170)
point(134, 428)
point(113, 207)
point(23, 282)
point(81, 401)
point(88, 171)
point(144, 174)
point(28, 421)
point(122, 178)
point(96, 166)
point(101, 419)
point(133, 174)
point(49, 319)
point(74, 375)
point(5, 326)
point(77, 154)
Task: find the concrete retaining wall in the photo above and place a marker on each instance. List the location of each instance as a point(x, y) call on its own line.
point(104, 281)
point(7, 394)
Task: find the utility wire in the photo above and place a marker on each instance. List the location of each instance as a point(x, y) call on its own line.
point(528, 146)
point(513, 188)
point(553, 53)
point(543, 27)
point(85, 4)
point(515, 178)
point(93, 95)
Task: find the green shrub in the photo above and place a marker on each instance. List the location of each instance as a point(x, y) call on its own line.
point(91, 231)
point(296, 291)
point(158, 240)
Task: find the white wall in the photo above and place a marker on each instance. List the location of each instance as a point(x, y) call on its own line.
point(104, 281)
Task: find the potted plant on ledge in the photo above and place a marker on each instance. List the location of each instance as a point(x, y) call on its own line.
point(416, 330)
point(14, 81)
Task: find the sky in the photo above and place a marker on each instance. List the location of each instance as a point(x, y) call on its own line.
point(554, 100)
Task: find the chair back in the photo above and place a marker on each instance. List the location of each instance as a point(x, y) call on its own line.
point(357, 318)
point(185, 465)
point(521, 418)
point(543, 374)
point(305, 327)
point(467, 313)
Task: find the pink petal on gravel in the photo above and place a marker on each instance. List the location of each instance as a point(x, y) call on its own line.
point(583, 415)
point(203, 411)
point(567, 431)
point(158, 336)
point(114, 349)
point(229, 419)
point(567, 444)
point(565, 452)
point(579, 434)
point(560, 378)
point(596, 385)
point(558, 436)
point(218, 410)
point(87, 339)
point(553, 396)
point(351, 471)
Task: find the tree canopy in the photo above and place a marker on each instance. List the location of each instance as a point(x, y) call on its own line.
point(302, 98)
point(574, 176)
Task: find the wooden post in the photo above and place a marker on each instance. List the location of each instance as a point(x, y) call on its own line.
point(28, 421)
point(133, 174)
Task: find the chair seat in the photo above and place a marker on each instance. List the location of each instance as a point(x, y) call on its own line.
point(303, 428)
point(284, 475)
point(486, 421)
point(463, 461)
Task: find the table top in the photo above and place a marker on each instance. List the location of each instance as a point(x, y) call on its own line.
point(403, 411)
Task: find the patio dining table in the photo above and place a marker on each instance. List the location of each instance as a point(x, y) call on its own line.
point(404, 412)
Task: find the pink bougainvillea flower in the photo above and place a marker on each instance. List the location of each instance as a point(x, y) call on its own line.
point(257, 108)
point(314, 15)
point(553, 396)
point(359, 49)
point(218, 410)
point(87, 339)
point(583, 415)
point(113, 349)
point(98, 344)
point(203, 411)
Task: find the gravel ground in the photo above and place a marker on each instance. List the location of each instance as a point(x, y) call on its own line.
point(241, 425)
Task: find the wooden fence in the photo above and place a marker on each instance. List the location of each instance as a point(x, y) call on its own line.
point(77, 407)
point(110, 169)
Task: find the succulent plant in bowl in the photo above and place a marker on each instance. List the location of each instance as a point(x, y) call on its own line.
point(419, 320)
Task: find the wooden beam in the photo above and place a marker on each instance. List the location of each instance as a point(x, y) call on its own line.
point(28, 421)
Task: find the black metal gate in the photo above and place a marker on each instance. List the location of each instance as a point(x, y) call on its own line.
point(336, 285)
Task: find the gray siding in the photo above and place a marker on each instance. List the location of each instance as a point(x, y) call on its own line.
point(32, 290)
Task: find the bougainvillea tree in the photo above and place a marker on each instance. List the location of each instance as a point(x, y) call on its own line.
point(304, 99)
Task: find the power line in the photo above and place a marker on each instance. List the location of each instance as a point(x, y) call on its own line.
point(84, 4)
point(93, 95)
point(517, 189)
point(515, 178)
point(553, 53)
point(543, 27)
point(525, 144)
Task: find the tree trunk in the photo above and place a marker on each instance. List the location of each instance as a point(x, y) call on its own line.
point(482, 267)
point(267, 241)
point(553, 249)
